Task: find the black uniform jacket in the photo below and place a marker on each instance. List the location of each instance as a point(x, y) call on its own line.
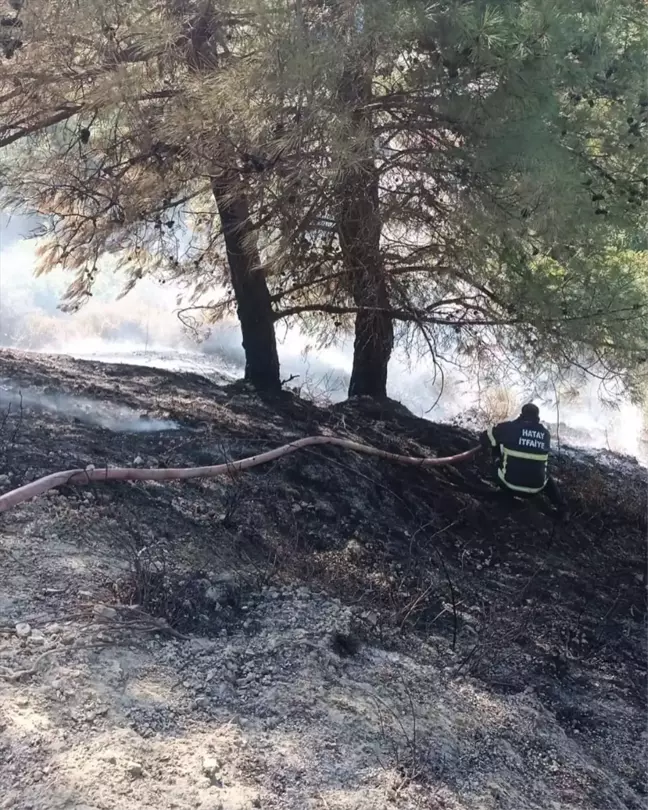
point(522, 451)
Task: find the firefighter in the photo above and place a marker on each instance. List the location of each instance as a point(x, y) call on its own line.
point(521, 455)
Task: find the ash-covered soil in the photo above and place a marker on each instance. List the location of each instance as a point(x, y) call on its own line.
point(326, 632)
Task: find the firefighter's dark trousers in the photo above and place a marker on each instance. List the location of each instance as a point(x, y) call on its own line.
point(550, 490)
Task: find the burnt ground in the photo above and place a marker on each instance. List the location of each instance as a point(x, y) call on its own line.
point(514, 648)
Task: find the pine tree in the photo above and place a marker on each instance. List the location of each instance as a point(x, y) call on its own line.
point(462, 175)
point(474, 170)
point(102, 136)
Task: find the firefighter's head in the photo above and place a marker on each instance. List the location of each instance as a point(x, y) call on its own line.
point(530, 412)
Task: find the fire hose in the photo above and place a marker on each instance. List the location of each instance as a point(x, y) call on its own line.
point(92, 474)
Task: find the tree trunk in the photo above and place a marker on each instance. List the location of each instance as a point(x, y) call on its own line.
point(359, 228)
point(253, 304)
point(372, 348)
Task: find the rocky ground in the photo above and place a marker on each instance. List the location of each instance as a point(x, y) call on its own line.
point(326, 632)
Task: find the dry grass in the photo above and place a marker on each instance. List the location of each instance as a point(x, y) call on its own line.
point(591, 491)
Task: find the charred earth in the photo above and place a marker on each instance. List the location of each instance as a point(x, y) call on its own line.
point(327, 631)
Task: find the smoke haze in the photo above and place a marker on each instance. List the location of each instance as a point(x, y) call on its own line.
point(142, 329)
point(104, 414)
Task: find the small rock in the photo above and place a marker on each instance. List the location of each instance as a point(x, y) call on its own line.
point(37, 637)
point(23, 629)
point(138, 461)
point(210, 766)
point(53, 629)
point(354, 549)
point(104, 612)
point(134, 769)
point(22, 701)
point(4, 480)
point(225, 692)
point(372, 617)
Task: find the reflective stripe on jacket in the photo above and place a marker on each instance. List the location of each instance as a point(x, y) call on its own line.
point(522, 451)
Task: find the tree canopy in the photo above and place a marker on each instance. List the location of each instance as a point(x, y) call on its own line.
point(469, 177)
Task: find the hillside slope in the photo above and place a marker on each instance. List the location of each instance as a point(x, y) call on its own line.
point(343, 632)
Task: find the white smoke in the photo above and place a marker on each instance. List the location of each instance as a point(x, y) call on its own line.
point(142, 329)
point(15, 401)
